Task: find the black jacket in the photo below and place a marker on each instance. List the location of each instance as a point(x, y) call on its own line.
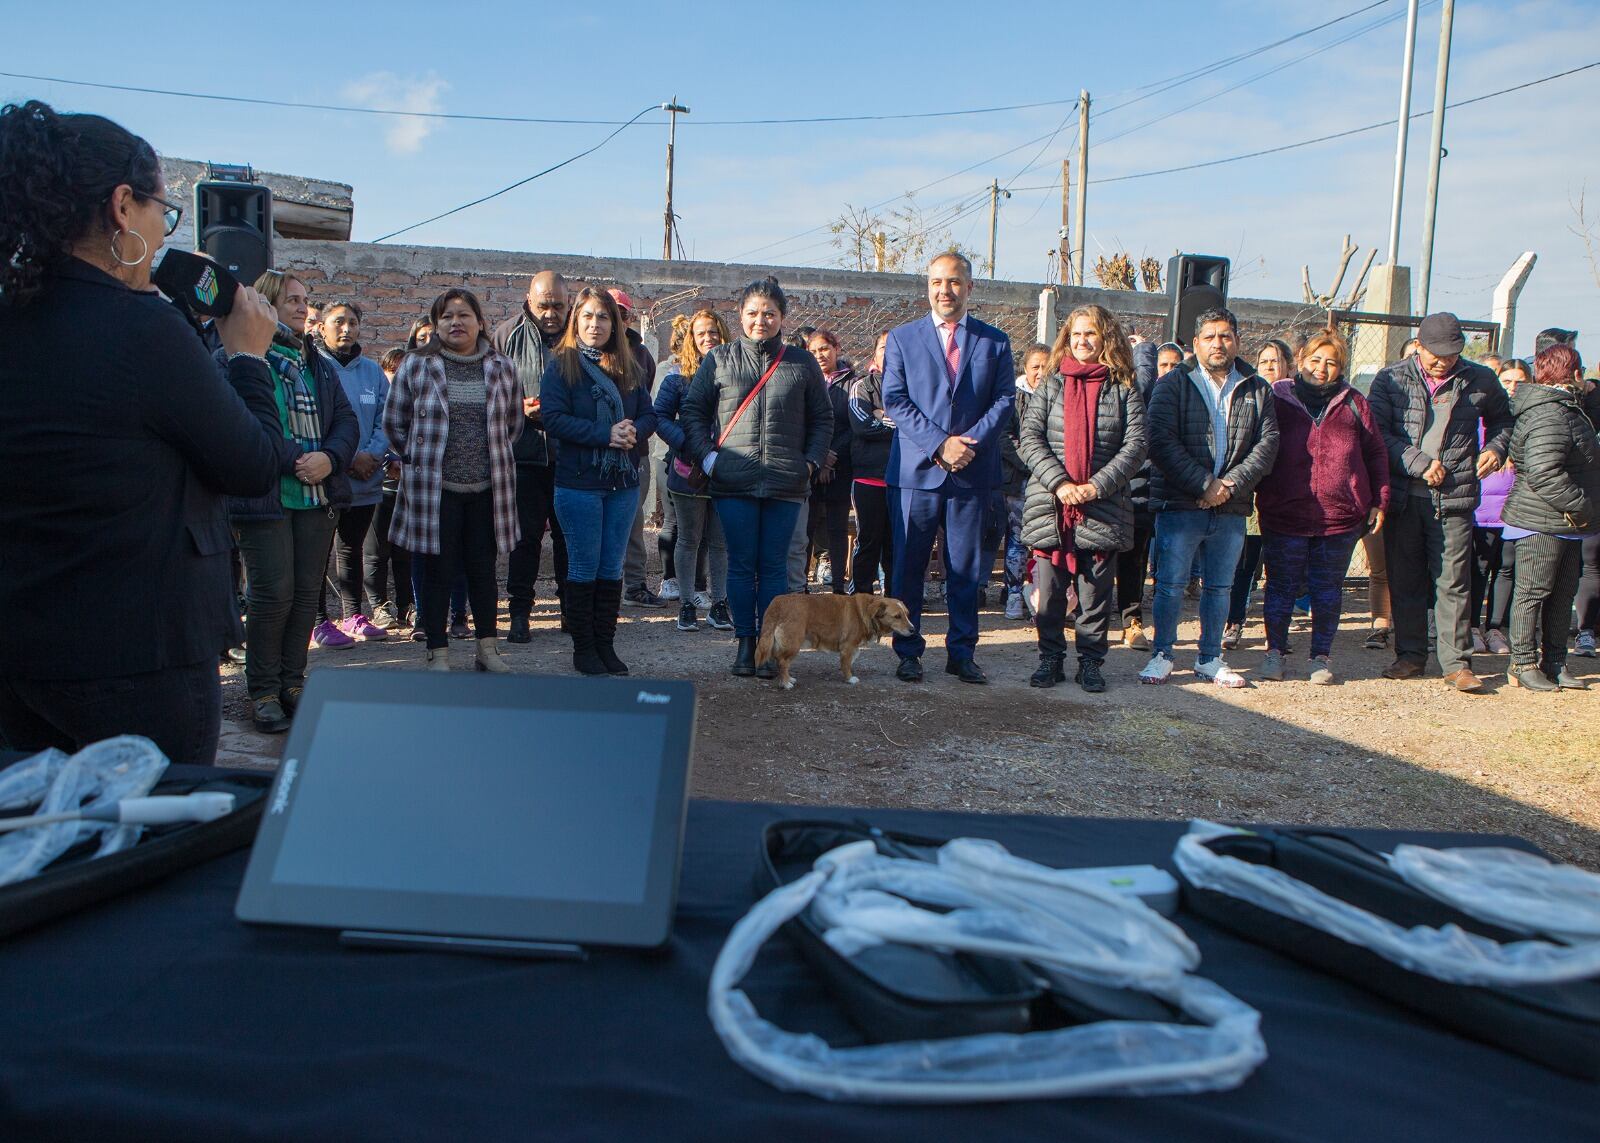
point(786, 428)
point(837, 490)
point(1400, 402)
point(341, 437)
point(1557, 458)
point(121, 443)
point(520, 341)
point(1181, 448)
point(1119, 450)
point(1145, 356)
point(870, 435)
point(1013, 469)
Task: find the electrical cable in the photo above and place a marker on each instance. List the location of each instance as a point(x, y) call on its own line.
point(160, 810)
point(520, 182)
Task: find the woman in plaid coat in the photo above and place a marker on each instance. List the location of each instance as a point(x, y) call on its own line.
point(453, 413)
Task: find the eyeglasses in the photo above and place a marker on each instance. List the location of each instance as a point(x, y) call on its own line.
point(171, 216)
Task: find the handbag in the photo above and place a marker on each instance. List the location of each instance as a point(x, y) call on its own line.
point(688, 479)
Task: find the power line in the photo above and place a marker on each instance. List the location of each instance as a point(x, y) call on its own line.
point(1342, 134)
point(522, 182)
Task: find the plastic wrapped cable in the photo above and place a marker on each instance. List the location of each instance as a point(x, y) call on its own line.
point(124, 767)
point(1519, 891)
point(1121, 942)
point(1450, 953)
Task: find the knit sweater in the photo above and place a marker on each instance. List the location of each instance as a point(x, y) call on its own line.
point(466, 449)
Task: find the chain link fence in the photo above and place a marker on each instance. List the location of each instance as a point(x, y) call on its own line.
point(1377, 340)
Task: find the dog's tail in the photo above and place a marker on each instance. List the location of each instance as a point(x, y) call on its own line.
point(764, 645)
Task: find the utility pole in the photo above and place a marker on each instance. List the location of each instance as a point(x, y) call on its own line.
point(1064, 252)
point(1083, 184)
point(994, 218)
point(1447, 15)
point(673, 110)
point(1405, 128)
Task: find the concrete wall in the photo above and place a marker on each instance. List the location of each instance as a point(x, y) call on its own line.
point(395, 284)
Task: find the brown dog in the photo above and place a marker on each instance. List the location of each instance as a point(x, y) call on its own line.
point(829, 622)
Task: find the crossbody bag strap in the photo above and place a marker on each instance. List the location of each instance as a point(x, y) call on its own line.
point(745, 404)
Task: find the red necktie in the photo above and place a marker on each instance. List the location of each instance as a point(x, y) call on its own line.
point(952, 351)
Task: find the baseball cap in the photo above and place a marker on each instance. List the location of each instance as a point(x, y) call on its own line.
point(621, 298)
point(1441, 335)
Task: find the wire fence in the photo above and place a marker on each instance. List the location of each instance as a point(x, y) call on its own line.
point(1377, 340)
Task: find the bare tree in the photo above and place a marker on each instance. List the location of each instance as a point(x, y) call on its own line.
point(1116, 272)
point(1325, 299)
point(1588, 232)
point(855, 235)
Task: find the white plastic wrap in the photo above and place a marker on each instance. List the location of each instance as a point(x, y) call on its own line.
point(1519, 891)
point(1450, 953)
point(123, 767)
point(1066, 931)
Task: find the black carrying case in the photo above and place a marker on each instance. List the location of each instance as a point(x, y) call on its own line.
point(896, 992)
point(74, 881)
point(1557, 1025)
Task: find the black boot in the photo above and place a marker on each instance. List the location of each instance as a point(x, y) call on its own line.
point(1050, 671)
point(744, 660)
point(1089, 676)
point(607, 603)
point(577, 611)
point(520, 632)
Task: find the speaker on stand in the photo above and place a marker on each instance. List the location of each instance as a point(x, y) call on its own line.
point(1195, 283)
point(233, 220)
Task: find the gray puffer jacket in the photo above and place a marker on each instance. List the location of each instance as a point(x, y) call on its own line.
point(1119, 451)
point(786, 429)
point(1557, 458)
point(1181, 448)
point(1400, 403)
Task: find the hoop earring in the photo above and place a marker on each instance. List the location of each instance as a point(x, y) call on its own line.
point(144, 250)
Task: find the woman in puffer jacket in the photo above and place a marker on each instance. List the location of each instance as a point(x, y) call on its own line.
point(776, 426)
point(1083, 438)
point(1551, 509)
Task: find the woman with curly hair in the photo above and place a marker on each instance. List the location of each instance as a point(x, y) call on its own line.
point(703, 331)
point(122, 441)
point(1083, 439)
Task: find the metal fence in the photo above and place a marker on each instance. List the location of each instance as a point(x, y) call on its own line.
point(1377, 340)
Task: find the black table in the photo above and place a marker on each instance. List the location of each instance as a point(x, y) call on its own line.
point(158, 1016)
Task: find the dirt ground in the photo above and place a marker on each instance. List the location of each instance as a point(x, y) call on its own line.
point(1368, 752)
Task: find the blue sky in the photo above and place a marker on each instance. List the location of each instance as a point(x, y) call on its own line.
point(1516, 164)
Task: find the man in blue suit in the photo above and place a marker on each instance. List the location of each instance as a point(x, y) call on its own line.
point(948, 384)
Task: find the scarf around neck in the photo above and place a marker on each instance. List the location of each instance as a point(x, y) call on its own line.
point(1080, 401)
point(615, 464)
point(1316, 398)
point(299, 415)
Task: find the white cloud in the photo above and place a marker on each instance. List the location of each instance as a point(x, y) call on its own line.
point(390, 92)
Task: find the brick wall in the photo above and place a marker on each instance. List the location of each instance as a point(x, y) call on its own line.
point(395, 284)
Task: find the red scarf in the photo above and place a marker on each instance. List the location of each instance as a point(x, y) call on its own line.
point(1080, 400)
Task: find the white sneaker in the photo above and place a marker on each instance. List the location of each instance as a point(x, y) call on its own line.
point(669, 589)
point(824, 571)
point(1157, 669)
point(1014, 609)
point(1218, 671)
point(702, 601)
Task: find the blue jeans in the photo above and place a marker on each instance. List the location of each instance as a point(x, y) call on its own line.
point(758, 533)
point(597, 525)
point(1183, 538)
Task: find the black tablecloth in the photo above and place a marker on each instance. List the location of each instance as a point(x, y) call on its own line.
point(158, 1016)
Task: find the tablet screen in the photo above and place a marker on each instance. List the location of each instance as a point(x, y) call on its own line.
point(581, 832)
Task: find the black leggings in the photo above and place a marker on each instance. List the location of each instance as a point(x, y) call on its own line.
point(874, 546)
point(1132, 565)
point(1589, 586)
point(1494, 562)
point(384, 559)
point(1244, 581)
point(832, 518)
point(466, 543)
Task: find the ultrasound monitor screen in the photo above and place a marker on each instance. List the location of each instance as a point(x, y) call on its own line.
point(580, 832)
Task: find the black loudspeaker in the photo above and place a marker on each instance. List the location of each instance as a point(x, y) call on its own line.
point(1195, 283)
point(233, 224)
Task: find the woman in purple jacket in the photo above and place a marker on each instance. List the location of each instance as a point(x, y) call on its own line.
point(1494, 558)
point(1330, 486)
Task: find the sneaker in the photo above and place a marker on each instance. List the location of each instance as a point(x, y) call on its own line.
point(1321, 672)
point(1231, 634)
point(1479, 647)
point(325, 634)
point(1585, 645)
point(361, 628)
point(1157, 670)
point(718, 616)
point(1192, 591)
point(268, 715)
point(825, 571)
point(1496, 642)
point(1133, 635)
point(418, 635)
point(701, 601)
point(459, 628)
point(1089, 677)
point(383, 617)
point(1218, 671)
point(669, 590)
point(687, 620)
point(1014, 609)
point(1377, 639)
point(1271, 667)
point(642, 596)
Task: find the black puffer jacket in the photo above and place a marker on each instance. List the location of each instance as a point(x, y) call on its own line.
point(1012, 467)
point(1181, 456)
point(1557, 458)
point(788, 427)
point(870, 435)
point(1145, 356)
point(1400, 402)
point(1119, 450)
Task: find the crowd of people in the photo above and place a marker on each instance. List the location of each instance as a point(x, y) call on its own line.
point(263, 440)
